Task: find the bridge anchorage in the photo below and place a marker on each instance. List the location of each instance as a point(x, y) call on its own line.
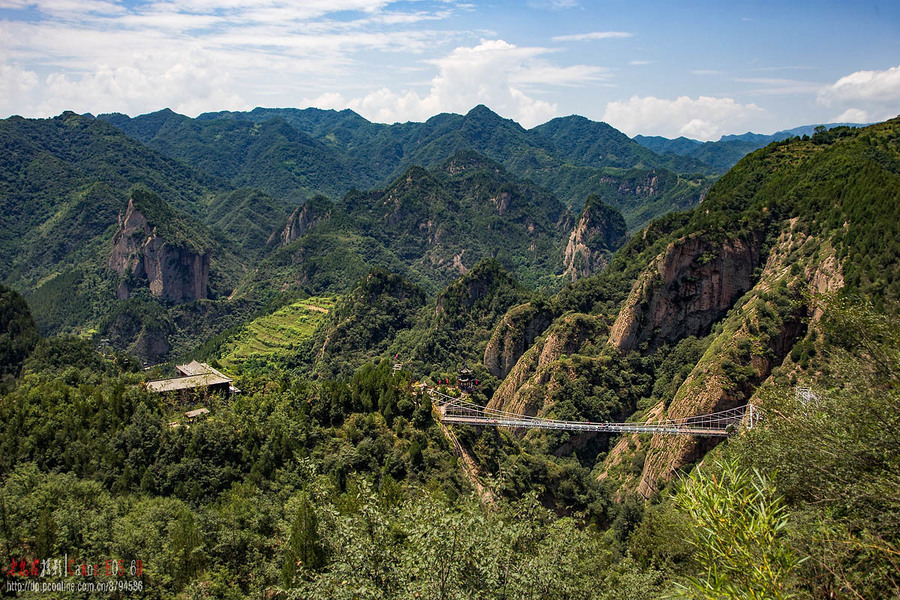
point(720, 424)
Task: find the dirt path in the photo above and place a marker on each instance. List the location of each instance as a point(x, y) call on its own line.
point(469, 467)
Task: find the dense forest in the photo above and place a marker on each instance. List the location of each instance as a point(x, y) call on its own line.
point(348, 488)
point(330, 474)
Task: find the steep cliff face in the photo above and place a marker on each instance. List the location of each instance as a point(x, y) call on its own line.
point(647, 185)
point(174, 273)
point(685, 290)
point(302, 220)
point(600, 230)
point(752, 341)
point(514, 334)
point(525, 387)
point(719, 382)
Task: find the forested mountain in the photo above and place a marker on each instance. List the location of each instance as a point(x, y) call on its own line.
point(107, 235)
point(64, 180)
point(571, 156)
point(475, 243)
point(270, 156)
point(729, 149)
point(733, 287)
point(431, 227)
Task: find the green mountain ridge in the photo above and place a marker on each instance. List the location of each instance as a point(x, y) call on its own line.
point(430, 226)
point(329, 475)
point(271, 155)
point(728, 149)
point(570, 156)
point(73, 258)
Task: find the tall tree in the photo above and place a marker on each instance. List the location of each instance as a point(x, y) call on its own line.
point(305, 553)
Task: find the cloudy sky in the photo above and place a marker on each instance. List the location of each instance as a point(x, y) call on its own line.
point(695, 68)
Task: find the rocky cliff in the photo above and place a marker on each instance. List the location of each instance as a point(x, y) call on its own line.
point(302, 220)
point(685, 290)
point(599, 232)
point(140, 253)
point(514, 334)
point(526, 388)
point(752, 341)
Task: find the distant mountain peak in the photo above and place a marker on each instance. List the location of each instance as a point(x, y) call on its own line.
point(482, 110)
point(483, 114)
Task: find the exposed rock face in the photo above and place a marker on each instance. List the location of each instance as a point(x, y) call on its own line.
point(151, 346)
point(710, 388)
point(173, 273)
point(475, 290)
point(600, 230)
point(501, 201)
point(685, 290)
point(301, 220)
point(148, 340)
point(513, 336)
point(647, 186)
point(524, 389)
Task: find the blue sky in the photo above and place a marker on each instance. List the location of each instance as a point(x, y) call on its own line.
point(700, 69)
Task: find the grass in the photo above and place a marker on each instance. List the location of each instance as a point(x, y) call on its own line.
point(277, 333)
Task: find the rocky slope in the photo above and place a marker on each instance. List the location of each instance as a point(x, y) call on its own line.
point(139, 254)
point(527, 386)
point(599, 231)
point(715, 304)
point(753, 340)
point(685, 290)
point(514, 335)
point(302, 220)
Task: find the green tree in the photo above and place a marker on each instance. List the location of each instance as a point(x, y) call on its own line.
point(739, 536)
point(305, 553)
point(186, 548)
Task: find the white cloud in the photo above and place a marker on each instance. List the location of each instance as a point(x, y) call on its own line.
point(15, 83)
point(187, 84)
point(703, 118)
point(67, 8)
point(495, 73)
point(874, 95)
point(780, 86)
point(641, 62)
point(852, 115)
point(547, 74)
point(198, 55)
point(553, 4)
point(594, 35)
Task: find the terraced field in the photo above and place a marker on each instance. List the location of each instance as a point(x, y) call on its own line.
point(277, 333)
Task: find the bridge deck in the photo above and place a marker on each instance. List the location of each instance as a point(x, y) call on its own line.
point(720, 424)
point(671, 429)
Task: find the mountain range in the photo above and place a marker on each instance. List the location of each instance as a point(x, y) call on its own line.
point(578, 274)
point(724, 153)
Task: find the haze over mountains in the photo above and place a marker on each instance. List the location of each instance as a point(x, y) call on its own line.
point(724, 153)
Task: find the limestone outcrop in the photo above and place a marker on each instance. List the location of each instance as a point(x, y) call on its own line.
point(174, 273)
point(525, 387)
point(685, 290)
point(302, 220)
point(515, 333)
point(600, 230)
point(754, 340)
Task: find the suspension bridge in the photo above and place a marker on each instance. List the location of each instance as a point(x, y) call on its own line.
point(719, 424)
